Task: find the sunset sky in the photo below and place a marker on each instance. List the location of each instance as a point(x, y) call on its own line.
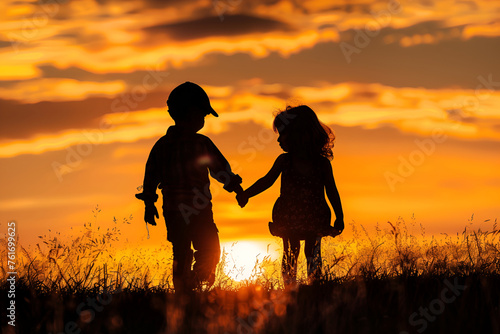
point(411, 90)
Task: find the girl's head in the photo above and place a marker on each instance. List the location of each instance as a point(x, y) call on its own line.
point(301, 132)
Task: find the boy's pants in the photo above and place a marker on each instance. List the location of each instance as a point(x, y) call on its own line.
point(196, 227)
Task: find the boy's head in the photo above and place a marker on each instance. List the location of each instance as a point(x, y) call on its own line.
point(188, 100)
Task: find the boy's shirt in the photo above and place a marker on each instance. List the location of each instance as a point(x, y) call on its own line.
point(179, 164)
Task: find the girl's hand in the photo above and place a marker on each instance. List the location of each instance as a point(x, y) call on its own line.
point(242, 199)
point(332, 232)
point(335, 232)
point(339, 224)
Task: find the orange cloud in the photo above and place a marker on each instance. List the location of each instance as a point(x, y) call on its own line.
point(53, 89)
point(414, 110)
point(18, 71)
point(488, 30)
point(120, 44)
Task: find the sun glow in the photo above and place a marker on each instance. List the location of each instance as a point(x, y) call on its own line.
point(243, 259)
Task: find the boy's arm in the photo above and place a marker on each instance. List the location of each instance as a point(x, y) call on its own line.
point(333, 195)
point(220, 170)
point(150, 183)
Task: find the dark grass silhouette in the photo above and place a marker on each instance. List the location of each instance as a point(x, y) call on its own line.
point(389, 281)
point(362, 306)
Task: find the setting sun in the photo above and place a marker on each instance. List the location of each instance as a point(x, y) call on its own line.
point(243, 259)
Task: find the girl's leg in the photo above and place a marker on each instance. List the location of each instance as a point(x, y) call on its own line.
point(291, 249)
point(312, 250)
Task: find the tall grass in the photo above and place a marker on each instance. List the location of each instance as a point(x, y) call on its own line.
point(93, 259)
point(373, 282)
point(394, 251)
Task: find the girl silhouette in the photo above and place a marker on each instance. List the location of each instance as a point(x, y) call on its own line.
point(301, 211)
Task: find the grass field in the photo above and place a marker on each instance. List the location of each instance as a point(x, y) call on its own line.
point(388, 281)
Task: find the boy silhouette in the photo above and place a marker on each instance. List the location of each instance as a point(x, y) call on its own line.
point(179, 164)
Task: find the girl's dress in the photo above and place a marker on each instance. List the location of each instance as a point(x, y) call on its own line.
point(301, 210)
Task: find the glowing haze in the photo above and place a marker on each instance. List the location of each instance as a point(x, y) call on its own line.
point(411, 89)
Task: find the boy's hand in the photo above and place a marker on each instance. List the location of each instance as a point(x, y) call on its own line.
point(150, 213)
point(242, 199)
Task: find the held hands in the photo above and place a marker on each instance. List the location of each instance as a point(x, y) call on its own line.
point(150, 213)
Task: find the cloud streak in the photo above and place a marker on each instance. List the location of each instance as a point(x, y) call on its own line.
point(414, 110)
point(53, 89)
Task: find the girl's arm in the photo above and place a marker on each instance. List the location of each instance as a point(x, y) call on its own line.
point(333, 195)
point(264, 182)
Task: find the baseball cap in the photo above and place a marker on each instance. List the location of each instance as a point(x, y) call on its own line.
point(189, 94)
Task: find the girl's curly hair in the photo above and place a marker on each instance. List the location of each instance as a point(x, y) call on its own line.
point(305, 132)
